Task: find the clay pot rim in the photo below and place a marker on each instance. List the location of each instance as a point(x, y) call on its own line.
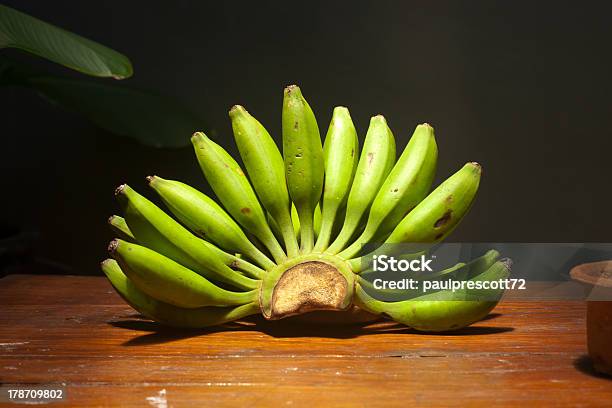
point(593, 273)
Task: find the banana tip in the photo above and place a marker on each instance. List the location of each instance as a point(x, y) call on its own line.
point(119, 190)
point(476, 166)
point(378, 118)
point(150, 179)
point(292, 89)
point(198, 136)
point(112, 246)
point(111, 219)
point(426, 125)
point(236, 109)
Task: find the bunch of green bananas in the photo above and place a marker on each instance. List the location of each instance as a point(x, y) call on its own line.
point(289, 241)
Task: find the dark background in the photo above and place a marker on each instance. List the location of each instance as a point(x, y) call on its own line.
point(522, 87)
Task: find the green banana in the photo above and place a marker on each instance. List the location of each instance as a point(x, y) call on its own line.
point(231, 186)
point(341, 150)
point(440, 212)
point(266, 170)
point(304, 164)
point(236, 262)
point(170, 282)
point(156, 230)
point(203, 215)
point(169, 314)
point(444, 310)
point(295, 219)
point(377, 159)
point(286, 238)
point(482, 263)
point(407, 185)
point(317, 220)
point(119, 226)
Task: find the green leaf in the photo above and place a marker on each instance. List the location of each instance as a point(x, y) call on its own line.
point(19, 30)
point(152, 119)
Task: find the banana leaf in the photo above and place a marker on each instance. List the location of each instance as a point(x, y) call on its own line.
point(19, 30)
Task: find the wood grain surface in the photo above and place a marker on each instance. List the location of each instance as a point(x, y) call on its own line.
point(76, 331)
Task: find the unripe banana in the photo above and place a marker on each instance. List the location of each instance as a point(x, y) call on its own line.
point(439, 213)
point(231, 186)
point(295, 219)
point(266, 170)
point(119, 226)
point(204, 216)
point(407, 185)
point(481, 264)
point(316, 204)
point(317, 220)
point(168, 314)
point(169, 281)
point(375, 163)
point(155, 229)
point(236, 262)
point(340, 153)
point(303, 155)
point(435, 312)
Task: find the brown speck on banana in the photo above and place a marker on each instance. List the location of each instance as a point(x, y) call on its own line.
point(443, 220)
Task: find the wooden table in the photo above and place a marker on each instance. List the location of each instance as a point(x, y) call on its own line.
point(77, 331)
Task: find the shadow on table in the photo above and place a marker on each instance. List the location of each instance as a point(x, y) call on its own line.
point(585, 365)
point(286, 328)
